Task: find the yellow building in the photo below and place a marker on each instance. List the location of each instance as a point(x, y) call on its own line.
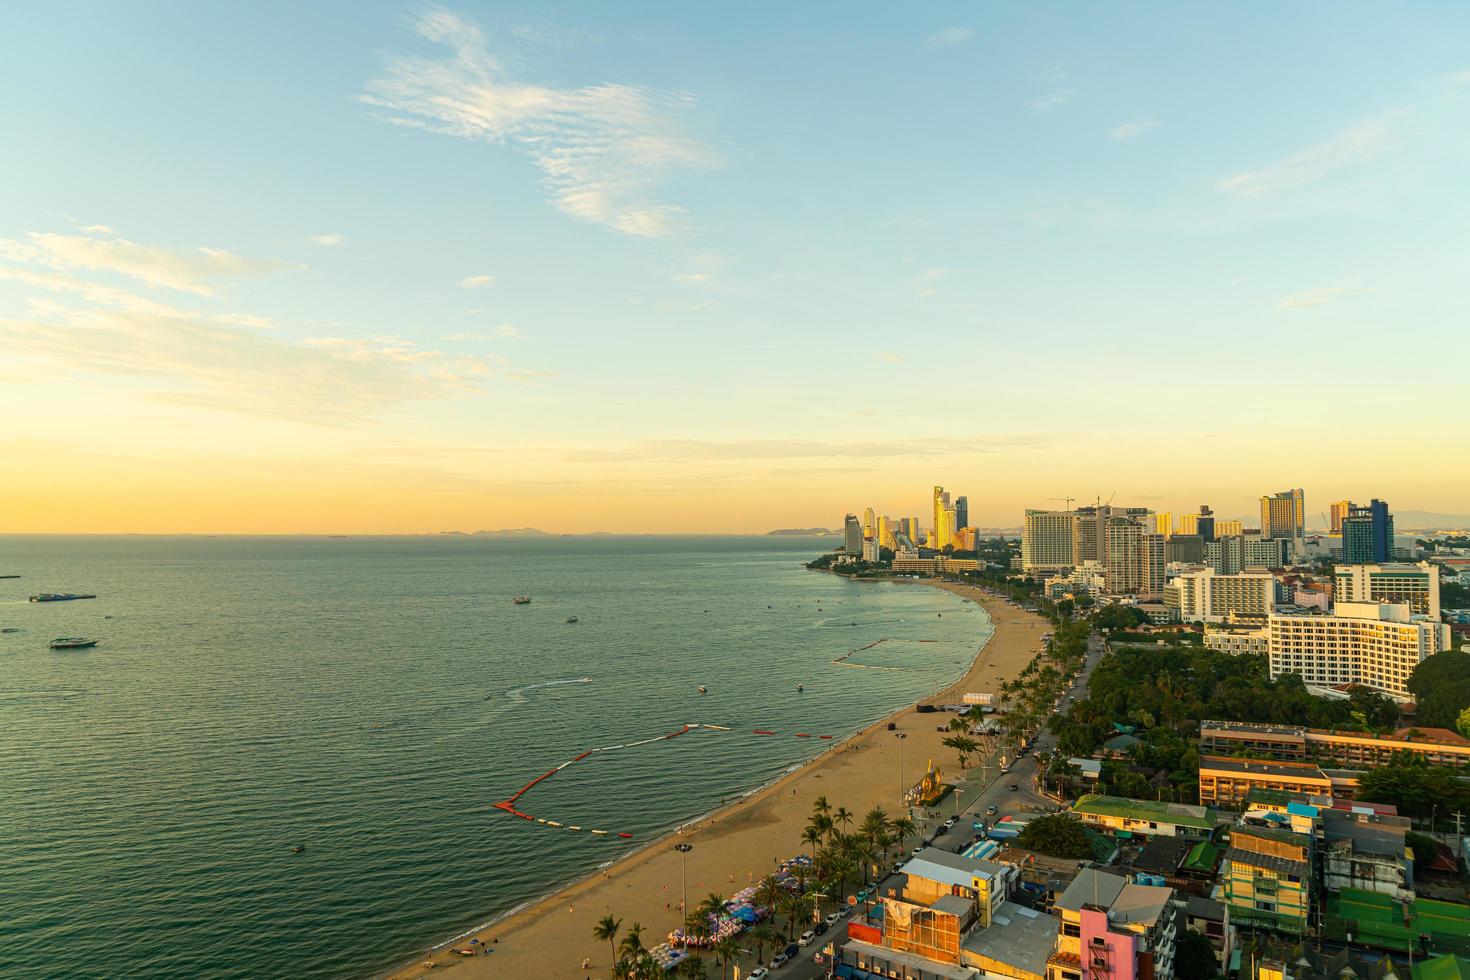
point(943, 896)
point(1225, 782)
point(1164, 524)
point(1223, 528)
point(1267, 878)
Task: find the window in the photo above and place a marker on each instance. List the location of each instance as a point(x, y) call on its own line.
point(1068, 929)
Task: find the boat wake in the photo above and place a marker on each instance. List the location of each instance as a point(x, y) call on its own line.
point(518, 695)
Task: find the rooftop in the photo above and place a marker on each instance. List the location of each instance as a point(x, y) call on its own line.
point(1017, 936)
point(914, 962)
point(1091, 887)
point(1259, 767)
point(1254, 859)
point(951, 869)
point(1181, 814)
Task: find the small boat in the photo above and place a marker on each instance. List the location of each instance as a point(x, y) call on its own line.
point(60, 596)
point(10, 629)
point(571, 619)
point(72, 643)
point(799, 689)
point(298, 848)
point(521, 600)
point(702, 689)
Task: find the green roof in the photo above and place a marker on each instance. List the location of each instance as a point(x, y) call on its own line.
point(1180, 814)
point(1267, 797)
point(1447, 967)
point(1201, 857)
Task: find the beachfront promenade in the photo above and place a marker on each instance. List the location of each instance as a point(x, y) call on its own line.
point(740, 843)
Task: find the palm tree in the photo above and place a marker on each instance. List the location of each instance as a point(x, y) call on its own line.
point(811, 837)
point(632, 945)
point(693, 968)
point(726, 949)
point(763, 935)
point(843, 816)
point(697, 927)
point(820, 806)
point(607, 931)
point(712, 904)
point(768, 892)
point(904, 827)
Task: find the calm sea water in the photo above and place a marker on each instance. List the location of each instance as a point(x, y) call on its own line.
point(369, 698)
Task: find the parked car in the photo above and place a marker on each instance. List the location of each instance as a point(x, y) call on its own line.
point(991, 810)
point(779, 961)
point(806, 938)
point(759, 973)
point(820, 927)
point(949, 823)
point(833, 918)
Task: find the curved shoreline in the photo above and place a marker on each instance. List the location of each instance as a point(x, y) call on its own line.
point(732, 839)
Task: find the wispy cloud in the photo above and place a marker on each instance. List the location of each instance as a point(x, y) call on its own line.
point(692, 277)
point(890, 357)
point(926, 283)
point(193, 271)
point(1313, 297)
point(950, 35)
point(214, 359)
point(504, 331)
point(331, 239)
point(1052, 101)
point(1361, 141)
point(1133, 129)
point(602, 149)
point(476, 282)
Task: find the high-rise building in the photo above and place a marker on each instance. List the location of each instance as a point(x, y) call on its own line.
point(1205, 597)
point(1339, 510)
point(1186, 548)
point(1284, 515)
point(1046, 541)
point(1372, 644)
point(1227, 527)
point(1230, 554)
point(911, 529)
point(1188, 524)
point(941, 504)
point(1164, 524)
point(944, 531)
point(961, 512)
point(1367, 534)
point(1204, 522)
point(1135, 557)
point(1414, 585)
point(852, 535)
point(885, 532)
point(870, 523)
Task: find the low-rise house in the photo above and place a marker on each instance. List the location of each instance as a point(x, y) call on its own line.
point(1121, 816)
point(1114, 928)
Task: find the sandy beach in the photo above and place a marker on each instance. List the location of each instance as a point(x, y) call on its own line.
point(740, 843)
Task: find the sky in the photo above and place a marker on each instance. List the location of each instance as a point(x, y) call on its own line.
point(393, 268)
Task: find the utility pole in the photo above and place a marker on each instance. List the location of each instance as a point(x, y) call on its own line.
point(901, 800)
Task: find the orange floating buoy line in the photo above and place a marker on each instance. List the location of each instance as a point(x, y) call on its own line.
point(509, 803)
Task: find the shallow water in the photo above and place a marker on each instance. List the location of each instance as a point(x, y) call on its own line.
point(368, 699)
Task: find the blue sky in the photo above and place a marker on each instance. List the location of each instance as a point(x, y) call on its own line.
point(503, 264)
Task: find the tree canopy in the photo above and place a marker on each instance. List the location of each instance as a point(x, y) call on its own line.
point(1058, 835)
point(1415, 787)
point(1441, 686)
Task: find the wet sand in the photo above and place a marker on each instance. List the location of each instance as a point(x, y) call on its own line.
point(740, 843)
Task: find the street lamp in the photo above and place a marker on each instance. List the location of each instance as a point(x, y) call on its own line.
point(683, 850)
point(900, 736)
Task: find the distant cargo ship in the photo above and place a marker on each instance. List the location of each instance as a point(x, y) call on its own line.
point(61, 596)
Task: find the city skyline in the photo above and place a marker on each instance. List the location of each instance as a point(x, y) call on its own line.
point(397, 268)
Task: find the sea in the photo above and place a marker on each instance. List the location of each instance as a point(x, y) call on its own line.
point(282, 756)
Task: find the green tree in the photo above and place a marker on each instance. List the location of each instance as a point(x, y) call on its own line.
point(964, 745)
point(1195, 958)
point(606, 930)
point(1415, 787)
point(1441, 686)
point(1058, 835)
point(764, 935)
point(1423, 847)
point(693, 968)
point(726, 949)
point(1462, 722)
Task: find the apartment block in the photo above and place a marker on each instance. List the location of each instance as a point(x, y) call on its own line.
point(1372, 644)
point(1114, 928)
point(1416, 586)
point(1209, 597)
point(1356, 750)
point(1046, 541)
point(1267, 879)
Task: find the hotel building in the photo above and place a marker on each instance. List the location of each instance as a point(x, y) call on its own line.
point(1208, 597)
point(1357, 750)
point(1046, 541)
point(1283, 515)
point(1415, 585)
point(1371, 644)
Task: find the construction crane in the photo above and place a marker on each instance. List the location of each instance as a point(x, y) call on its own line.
point(1067, 499)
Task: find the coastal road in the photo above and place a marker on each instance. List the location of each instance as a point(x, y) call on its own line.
point(982, 787)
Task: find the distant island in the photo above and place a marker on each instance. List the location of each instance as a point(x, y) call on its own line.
point(801, 532)
point(505, 532)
